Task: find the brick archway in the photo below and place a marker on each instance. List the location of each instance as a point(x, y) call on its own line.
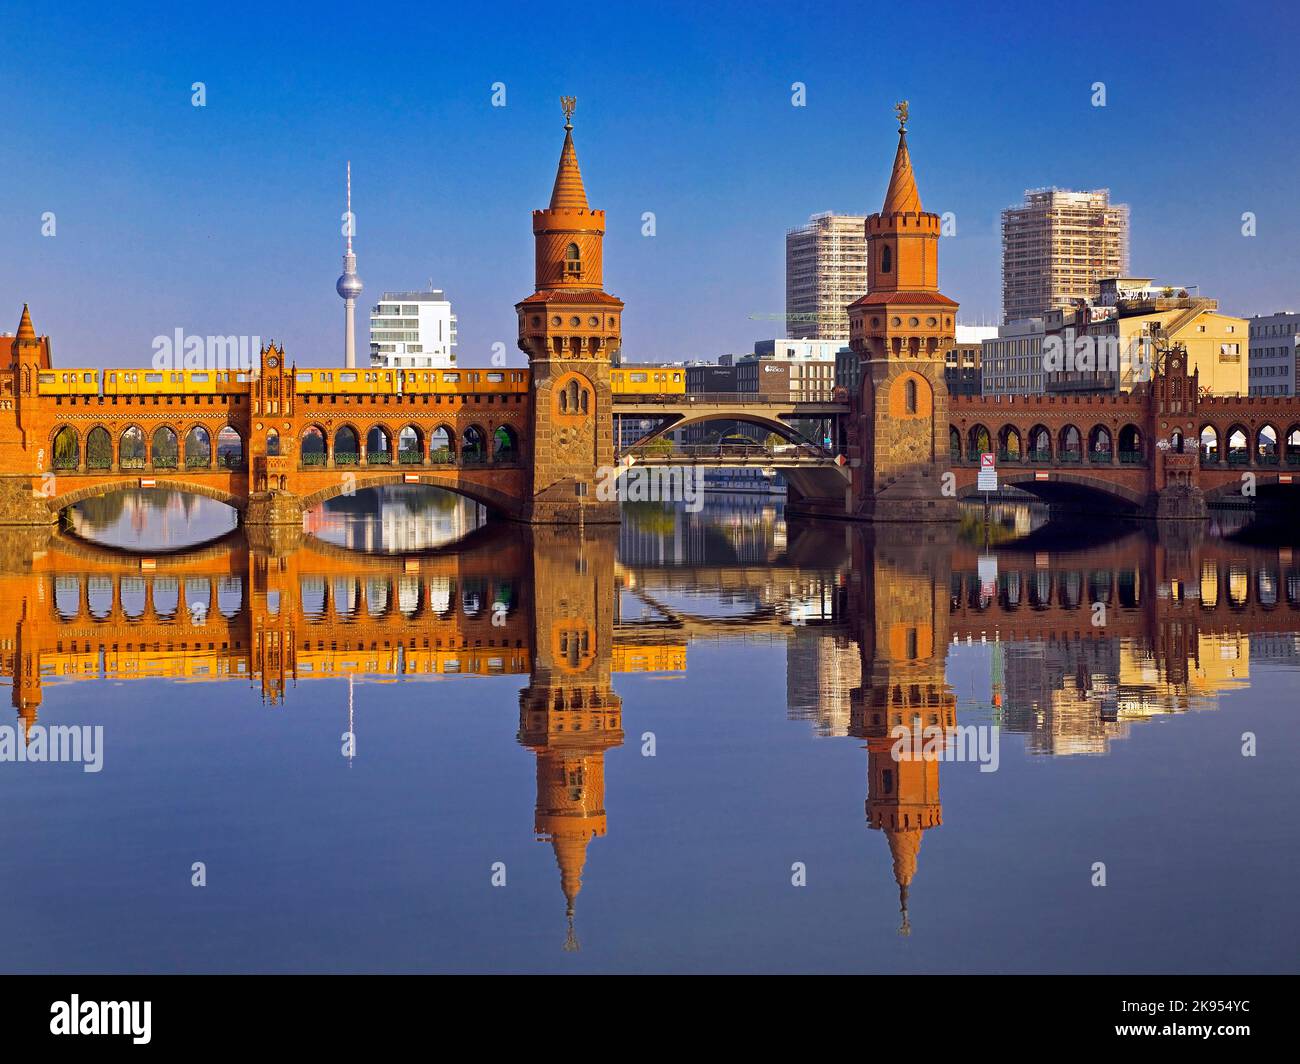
point(498, 501)
point(57, 503)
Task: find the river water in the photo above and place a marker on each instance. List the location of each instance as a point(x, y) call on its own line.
point(415, 739)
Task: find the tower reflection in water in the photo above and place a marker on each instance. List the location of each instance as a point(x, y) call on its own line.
point(867, 619)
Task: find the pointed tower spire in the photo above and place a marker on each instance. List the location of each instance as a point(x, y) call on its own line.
point(568, 193)
point(902, 195)
point(25, 330)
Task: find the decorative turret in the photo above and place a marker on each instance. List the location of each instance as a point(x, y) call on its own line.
point(900, 331)
point(570, 328)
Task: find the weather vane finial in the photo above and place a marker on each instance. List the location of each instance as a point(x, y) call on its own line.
point(568, 104)
point(900, 109)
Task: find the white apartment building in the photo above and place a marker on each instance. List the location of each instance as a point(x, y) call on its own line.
point(825, 271)
point(1274, 353)
point(412, 330)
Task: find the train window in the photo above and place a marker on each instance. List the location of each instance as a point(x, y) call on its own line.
point(496, 378)
point(112, 378)
point(347, 378)
point(153, 378)
point(676, 377)
point(304, 378)
point(199, 378)
point(637, 378)
point(451, 378)
point(242, 378)
point(88, 378)
point(473, 378)
point(46, 378)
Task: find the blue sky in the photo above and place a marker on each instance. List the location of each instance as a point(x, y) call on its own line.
point(225, 219)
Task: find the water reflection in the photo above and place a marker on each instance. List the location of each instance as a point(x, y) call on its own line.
point(150, 519)
point(398, 519)
point(1069, 650)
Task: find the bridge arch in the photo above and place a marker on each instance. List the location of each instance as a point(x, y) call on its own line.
point(954, 442)
point(1210, 450)
point(99, 448)
point(108, 487)
point(230, 447)
point(379, 440)
point(505, 444)
point(1069, 444)
point(978, 441)
point(442, 444)
point(313, 446)
point(473, 444)
point(1265, 441)
point(131, 451)
point(164, 449)
point(347, 445)
point(1101, 442)
point(748, 417)
point(1040, 444)
point(1238, 448)
point(492, 498)
point(1066, 486)
point(1131, 441)
point(1010, 445)
point(65, 448)
point(198, 447)
point(410, 442)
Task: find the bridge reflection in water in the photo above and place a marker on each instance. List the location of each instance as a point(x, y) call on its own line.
point(867, 619)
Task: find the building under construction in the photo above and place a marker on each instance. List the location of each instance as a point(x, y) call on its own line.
point(825, 271)
point(1057, 247)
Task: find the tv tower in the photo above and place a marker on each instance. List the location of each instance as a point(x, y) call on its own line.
point(349, 285)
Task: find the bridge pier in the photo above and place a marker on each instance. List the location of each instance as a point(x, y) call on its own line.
point(273, 509)
point(20, 505)
point(1181, 502)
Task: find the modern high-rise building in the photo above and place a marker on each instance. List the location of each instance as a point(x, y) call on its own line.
point(1274, 353)
point(1057, 247)
point(412, 330)
point(825, 271)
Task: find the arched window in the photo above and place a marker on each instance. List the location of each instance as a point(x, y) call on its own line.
point(572, 261)
point(67, 451)
point(909, 396)
point(569, 398)
point(886, 259)
point(272, 442)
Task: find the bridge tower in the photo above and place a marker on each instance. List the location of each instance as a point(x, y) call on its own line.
point(900, 331)
point(569, 328)
point(24, 430)
point(569, 714)
point(899, 591)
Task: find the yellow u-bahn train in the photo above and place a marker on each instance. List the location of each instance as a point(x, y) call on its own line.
point(624, 380)
point(410, 381)
point(648, 380)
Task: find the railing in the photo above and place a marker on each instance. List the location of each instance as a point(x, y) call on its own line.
point(707, 451)
point(1131, 458)
point(1075, 457)
point(1038, 456)
point(1101, 457)
point(721, 399)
